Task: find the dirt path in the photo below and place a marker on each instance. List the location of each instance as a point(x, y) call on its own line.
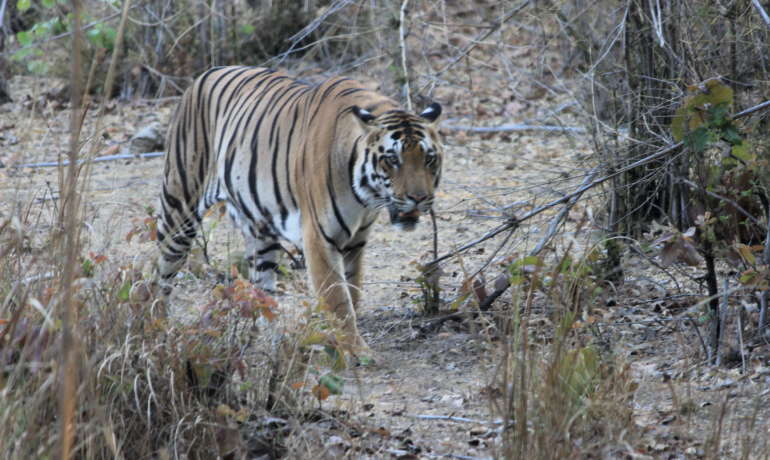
point(426, 397)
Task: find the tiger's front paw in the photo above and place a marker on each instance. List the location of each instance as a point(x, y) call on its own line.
point(362, 354)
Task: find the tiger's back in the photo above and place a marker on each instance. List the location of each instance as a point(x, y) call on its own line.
point(293, 161)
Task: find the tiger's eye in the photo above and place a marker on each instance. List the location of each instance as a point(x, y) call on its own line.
point(391, 160)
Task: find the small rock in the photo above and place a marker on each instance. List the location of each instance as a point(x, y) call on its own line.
point(668, 420)
point(694, 452)
point(10, 139)
point(728, 383)
point(478, 430)
point(336, 446)
point(147, 139)
point(336, 441)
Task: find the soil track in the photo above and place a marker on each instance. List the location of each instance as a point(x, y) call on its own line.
point(440, 375)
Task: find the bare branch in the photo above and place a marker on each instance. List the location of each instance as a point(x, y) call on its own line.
point(751, 110)
point(2, 12)
point(514, 222)
point(309, 29)
point(557, 220)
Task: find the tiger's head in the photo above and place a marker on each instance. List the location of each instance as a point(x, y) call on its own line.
point(399, 162)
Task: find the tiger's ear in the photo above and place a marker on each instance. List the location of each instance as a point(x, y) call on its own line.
point(364, 117)
point(432, 112)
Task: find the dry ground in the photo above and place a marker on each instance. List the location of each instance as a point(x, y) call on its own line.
point(404, 405)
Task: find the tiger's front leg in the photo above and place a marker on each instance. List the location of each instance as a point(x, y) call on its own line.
point(354, 265)
point(326, 267)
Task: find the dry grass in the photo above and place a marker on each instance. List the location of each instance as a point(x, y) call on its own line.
point(148, 384)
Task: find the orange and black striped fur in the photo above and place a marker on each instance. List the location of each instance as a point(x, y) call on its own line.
point(310, 164)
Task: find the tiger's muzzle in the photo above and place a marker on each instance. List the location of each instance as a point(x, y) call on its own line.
point(405, 214)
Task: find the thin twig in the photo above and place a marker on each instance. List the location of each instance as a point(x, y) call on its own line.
point(309, 29)
point(722, 318)
point(697, 332)
point(555, 223)
point(764, 295)
point(723, 198)
point(741, 348)
point(69, 249)
point(168, 78)
point(751, 110)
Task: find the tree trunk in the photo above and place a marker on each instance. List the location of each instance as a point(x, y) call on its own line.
point(5, 96)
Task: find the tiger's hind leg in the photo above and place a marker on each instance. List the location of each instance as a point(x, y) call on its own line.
point(262, 251)
point(177, 228)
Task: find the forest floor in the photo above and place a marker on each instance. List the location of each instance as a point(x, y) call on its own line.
point(428, 395)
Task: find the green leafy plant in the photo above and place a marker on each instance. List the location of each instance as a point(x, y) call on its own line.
point(102, 36)
point(727, 182)
point(429, 282)
point(728, 176)
point(33, 56)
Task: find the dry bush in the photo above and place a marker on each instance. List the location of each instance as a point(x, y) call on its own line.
point(147, 384)
point(169, 42)
point(560, 390)
point(639, 61)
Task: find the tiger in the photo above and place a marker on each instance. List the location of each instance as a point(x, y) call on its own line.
point(310, 164)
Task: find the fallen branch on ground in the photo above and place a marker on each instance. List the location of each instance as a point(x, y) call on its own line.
point(761, 11)
point(503, 283)
point(400, 453)
point(456, 419)
point(119, 156)
point(515, 127)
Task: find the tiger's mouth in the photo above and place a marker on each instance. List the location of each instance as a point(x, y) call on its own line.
point(405, 220)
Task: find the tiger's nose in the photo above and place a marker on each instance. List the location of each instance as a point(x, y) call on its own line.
point(418, 198)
